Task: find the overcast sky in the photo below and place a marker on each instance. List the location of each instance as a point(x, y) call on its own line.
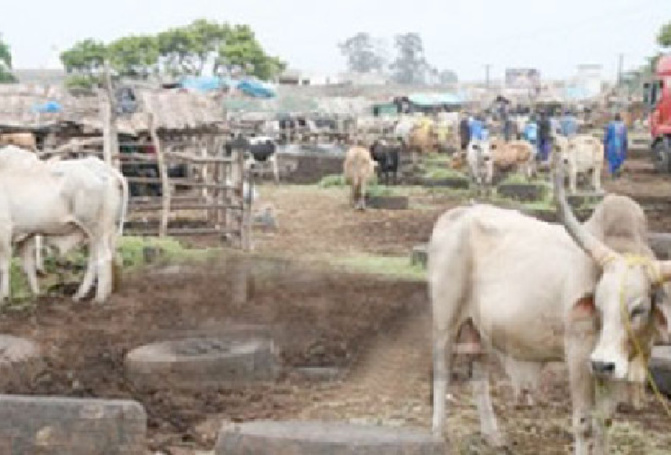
point(463, 35)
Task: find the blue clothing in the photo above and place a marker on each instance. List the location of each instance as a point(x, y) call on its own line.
point(478, 130)
point(569, 126)
point(531, 132)
point(616, 145)
point(544, 148)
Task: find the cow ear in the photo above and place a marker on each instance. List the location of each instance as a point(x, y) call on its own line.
point(583, 309)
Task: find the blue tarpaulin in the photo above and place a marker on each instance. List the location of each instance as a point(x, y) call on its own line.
point(50, 107)
point(201, 83)
point(256, 89)
point(435, 99)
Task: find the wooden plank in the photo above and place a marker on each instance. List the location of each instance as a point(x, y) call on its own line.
point(163, 171)
point(178, 231)
point(181, 182)
point(176, 207)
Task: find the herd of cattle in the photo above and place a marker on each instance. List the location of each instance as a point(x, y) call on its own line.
point(591, 295)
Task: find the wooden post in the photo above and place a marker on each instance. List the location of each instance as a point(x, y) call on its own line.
point(246, 218)
point(163, 171)
point(109, 116)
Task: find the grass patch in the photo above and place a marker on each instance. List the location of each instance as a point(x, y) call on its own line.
point(392, 266)
point(69, 269)
point(330, 181)
point(440, 173)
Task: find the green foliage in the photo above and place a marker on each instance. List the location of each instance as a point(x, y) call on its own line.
point(6, 75)
point(329, 181)
point(81, 82)
point(177, 51)
point(134, 56)
point(86, 57)
point(664, 36)
point(242, 52)
point(392, 266)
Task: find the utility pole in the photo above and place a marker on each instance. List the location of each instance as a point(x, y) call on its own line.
point(487, 66)
point(620, 66)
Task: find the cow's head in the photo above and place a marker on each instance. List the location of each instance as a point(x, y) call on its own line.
point(562, 148)
point(629, 308)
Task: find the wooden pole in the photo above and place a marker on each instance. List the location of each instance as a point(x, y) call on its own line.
point(109, 117)
point(163, 172)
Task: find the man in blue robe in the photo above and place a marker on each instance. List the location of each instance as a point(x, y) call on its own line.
point(615, 143)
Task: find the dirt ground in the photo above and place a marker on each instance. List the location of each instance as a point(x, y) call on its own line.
point(375, 329)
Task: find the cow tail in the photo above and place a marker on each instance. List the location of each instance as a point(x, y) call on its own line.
point(124, 200)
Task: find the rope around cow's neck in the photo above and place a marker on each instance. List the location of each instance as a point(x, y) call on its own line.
point(631, 261)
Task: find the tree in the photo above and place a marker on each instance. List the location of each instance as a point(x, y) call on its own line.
point(410, 66)
point(362, 54)
point(243, 53)
point(664, 36)
point(134, 56)
point(176, 47)
point(85, 58)
point(448, 77)
point(6, 75)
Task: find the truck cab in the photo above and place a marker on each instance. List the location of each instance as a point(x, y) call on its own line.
point(657, 97)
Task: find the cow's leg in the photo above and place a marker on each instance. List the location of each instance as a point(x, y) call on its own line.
point(27, 252)
point(39, 257)
point(362, 194)
point(89, 275)
point(480, 385)
point(276, 171)
point(581, 384)
point(5, 266)
point(103, 270)
point(596, 178)
point(573, 179)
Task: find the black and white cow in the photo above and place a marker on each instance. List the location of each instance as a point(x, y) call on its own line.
point(262, 151)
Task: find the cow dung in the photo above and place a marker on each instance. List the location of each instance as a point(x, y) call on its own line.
point(315, 438)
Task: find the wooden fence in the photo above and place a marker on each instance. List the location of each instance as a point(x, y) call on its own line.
point(208, 200)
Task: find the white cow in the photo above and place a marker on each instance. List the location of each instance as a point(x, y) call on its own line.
point(539, 292)
point(480, 162)
point(41, 199)
point(582, 154)
point(111, 215)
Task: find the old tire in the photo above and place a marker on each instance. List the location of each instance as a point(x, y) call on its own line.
point(197, 363)
point(316, 438)
point(660, 368)
point(661, 153)
point(20, 361)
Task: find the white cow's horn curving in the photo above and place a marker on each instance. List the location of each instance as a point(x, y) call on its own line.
point(590, 244)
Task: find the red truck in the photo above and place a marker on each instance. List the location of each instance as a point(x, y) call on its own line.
point(658, 99)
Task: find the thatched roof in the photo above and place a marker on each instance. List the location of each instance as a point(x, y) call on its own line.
point(172, 109)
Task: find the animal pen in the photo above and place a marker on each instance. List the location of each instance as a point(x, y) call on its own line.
point(170, 147)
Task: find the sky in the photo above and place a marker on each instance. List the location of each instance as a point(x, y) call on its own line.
point(463, 35)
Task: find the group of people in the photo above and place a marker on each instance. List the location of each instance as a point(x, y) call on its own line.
point(540, 131)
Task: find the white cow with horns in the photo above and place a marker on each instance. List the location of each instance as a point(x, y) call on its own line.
point(586, 294)
point(68, 202)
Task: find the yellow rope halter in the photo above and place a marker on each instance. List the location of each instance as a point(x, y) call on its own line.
point(657, 279)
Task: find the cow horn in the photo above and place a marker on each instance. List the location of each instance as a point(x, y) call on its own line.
point(590, 244)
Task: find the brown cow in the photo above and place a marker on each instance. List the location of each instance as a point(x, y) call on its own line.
point(514, 155)
point(24, 140)
point(359, 169)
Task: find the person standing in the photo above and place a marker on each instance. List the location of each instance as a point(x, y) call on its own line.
point(569, 124)
point(477, 129)
point(464, 131)
point(544, 138)
point(616, 145)
point(530, 132)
